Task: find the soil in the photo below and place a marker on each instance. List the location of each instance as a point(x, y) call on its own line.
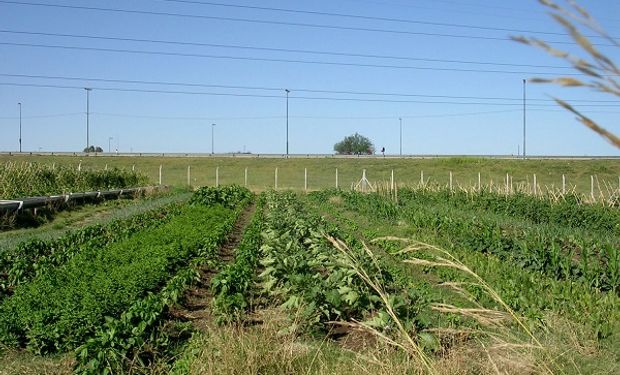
point(196, 303)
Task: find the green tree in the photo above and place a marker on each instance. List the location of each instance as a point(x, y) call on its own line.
point(354, 144)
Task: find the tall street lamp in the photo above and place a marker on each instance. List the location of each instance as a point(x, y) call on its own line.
point(524, 119)
point(287, 92)
point(88, 90)
point(212, 139)
point(401, 135)
point(109, 143)
point(20, 126)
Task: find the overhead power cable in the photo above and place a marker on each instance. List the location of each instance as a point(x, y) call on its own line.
point(280, 89)
point(270, 49)
point(368, 18)
point(294, 97)
point(270, 22)
point(294, 61)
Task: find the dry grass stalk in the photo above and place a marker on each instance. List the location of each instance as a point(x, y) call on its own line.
point(597, 67)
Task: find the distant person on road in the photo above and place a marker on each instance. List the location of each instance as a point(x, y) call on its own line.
point(383, 151)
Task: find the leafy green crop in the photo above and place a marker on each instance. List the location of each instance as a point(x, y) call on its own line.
point(61, 308)
point(229, 196)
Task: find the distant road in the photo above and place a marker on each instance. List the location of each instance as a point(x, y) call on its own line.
point(312, 156)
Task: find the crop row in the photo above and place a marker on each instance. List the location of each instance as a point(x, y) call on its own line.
point(530, 293)
point(302, 271)
point(19, 180)
point(120, 341)
point(568, 211)
point(556, 251)
point(31, 258)
point(61, 308)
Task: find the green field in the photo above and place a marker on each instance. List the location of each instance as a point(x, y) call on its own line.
point(333, 281)
point(322, 171)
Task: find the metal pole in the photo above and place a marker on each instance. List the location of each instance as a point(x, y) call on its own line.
point(287, 92)
point(524, 115)
point(212, 139)
point(401, 135)
point(20, 127)
point(109, 143)
point(88, 90)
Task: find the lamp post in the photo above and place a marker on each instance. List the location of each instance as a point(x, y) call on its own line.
point(524, 118)
point(401, 135)
point(20, 127)
point(109, 143)
point(287, 92)
point(88, 90)
point(212, 139)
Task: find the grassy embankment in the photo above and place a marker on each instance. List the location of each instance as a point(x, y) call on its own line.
point(322, 171)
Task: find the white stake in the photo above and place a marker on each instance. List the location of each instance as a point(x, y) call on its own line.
point(563, 184)
point(592, 186)
point(276, 180)
point(479, 182)
point(450, 180)
point(217, 176)
point(535, 188)
point(336, 178)
point(245, 179)
point(305, 179)
point(422, 178)
point(392, 182)
point(189, 175)
point(160, 167)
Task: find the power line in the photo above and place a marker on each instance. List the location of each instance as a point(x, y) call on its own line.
point(368, 18)
point(279, 97)
point(271, 49)
point(269, 22)
point(279, 89)
point(264, 59)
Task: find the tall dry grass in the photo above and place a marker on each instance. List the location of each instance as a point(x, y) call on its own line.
point(600, 71)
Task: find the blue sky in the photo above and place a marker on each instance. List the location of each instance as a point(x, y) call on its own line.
point(180, 119)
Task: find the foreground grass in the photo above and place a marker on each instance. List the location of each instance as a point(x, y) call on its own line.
point(322, 171)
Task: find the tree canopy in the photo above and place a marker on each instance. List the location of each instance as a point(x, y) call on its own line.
point(354, 144)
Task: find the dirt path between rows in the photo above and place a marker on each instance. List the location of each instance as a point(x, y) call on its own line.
point(197, 301)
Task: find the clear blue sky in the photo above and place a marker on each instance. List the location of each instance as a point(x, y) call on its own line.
point(54, 118)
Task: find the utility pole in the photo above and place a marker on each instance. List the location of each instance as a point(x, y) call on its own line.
point(20, 127)
point(287, 92)
point(109, 143)
point(88, 90)
point(401, 135)
point(212, 139)
point(524, 118)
